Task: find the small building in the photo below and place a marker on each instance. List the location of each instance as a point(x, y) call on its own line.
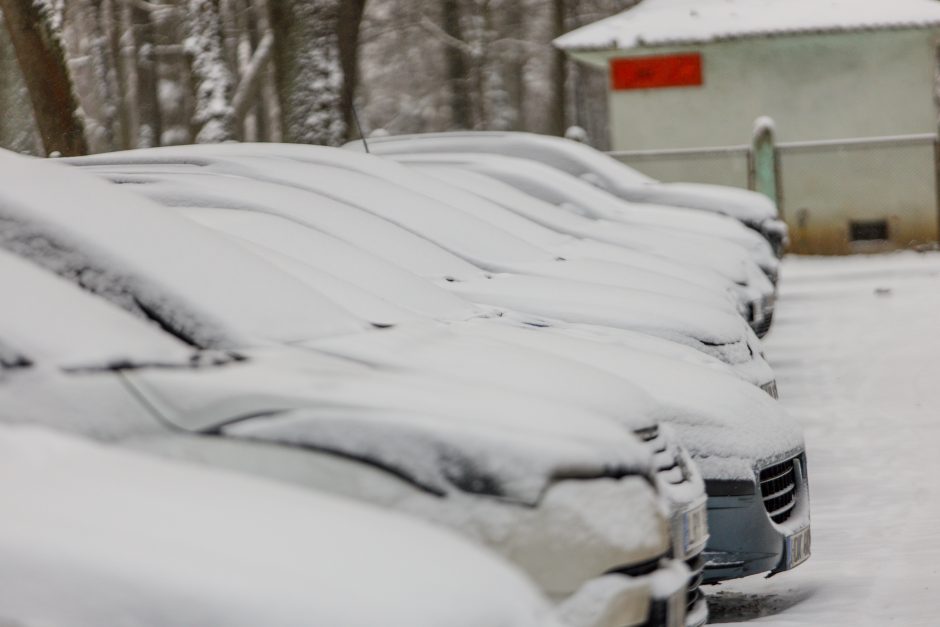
point(850, 85)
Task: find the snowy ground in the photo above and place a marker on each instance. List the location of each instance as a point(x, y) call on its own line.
point(857, 351)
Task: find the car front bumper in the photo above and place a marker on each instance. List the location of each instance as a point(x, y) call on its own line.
point(744, 539)
point(656, 598)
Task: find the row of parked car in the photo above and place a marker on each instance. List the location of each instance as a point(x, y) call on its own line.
point(497, 379)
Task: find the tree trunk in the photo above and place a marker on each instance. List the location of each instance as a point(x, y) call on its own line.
point(17, 127)
point(350, 19)
point(114, 22)
point(150, 124)
point(307, 70)
point(213, 117)
point(269, 110)
point(103, 75)
point(558, 113)
point(41, 56)
point(457, 68)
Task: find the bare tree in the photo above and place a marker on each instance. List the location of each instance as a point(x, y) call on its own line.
point(38, 45)
point(17, 128)
point(558, 106)
point(214, 117)
point(458, 70)
point(308, 71)
point(349, 22)
point(149, 121)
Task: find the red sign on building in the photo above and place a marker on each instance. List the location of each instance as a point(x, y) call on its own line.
point(674, 70)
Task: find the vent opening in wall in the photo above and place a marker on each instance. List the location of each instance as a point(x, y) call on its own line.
point(868, 230)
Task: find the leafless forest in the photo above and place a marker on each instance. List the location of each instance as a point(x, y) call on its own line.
point(97, 75)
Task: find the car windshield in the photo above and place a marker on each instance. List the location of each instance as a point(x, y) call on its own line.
point(195, 187)
point(160, 266)
point(466, 236)
point(53, 322)
point(338, 259)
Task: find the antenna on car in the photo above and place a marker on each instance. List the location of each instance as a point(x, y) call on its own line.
point(362, 136)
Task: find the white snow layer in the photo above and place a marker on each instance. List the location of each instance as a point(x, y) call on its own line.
point(151, 262)
point(673, 22)
point(854, 347)
point(94, 536)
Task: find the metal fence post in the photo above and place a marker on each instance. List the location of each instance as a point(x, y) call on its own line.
point(764, 159)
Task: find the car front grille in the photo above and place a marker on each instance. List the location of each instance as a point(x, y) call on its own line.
point(778, 489)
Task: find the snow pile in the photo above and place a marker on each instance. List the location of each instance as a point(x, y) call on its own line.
point(675, 22)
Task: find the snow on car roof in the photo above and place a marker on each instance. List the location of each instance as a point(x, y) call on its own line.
point(415, 202)
point(153, 263)
point(217, 186)
point(51, 321)
point(569, 156)
point(676, 22)
point(93, 532)
point(589, 164)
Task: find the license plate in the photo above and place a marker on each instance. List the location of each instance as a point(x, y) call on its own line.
point(798, 548)
point(694, 528)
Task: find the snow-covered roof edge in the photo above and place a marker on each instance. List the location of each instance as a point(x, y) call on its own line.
point(678, 22)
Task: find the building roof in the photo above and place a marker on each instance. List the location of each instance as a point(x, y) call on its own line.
point(676, 22)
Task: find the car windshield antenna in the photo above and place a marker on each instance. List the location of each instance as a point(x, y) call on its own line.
point(362, 136)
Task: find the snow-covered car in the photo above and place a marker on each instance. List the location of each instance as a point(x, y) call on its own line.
point(514, 475)
point(733, 431)
point(180, 297)
point(615, 241)
point(747, 263)
point(526, 276)
point(755, 430)
point(93, 535)
point(599, 204)
point(593, 166)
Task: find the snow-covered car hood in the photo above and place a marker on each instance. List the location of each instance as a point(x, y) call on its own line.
point(440, 436)
point(669, 218)
point(515, 171)
point(444, 349)
point(93, 532)
point(747, 206)
point(606, 273)
point(586, 242)
point(682, 321)
point(728, 425)
point(580, 198)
